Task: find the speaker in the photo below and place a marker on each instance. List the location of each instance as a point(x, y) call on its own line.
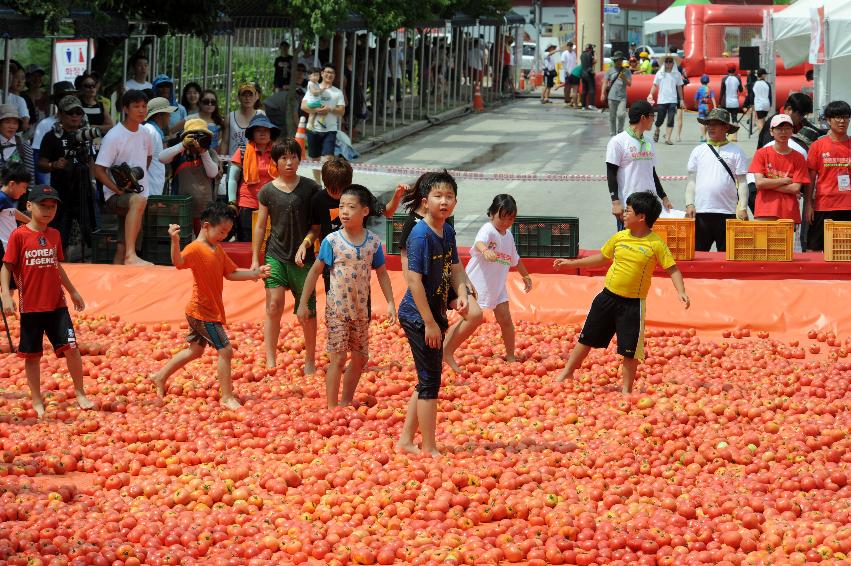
point(622, 46)
point(748, 58)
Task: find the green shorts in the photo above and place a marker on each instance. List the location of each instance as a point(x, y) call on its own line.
point(292, 277)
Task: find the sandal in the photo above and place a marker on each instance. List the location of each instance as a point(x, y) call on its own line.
point(669, 142)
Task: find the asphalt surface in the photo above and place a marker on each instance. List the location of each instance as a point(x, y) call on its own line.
point(524, 135)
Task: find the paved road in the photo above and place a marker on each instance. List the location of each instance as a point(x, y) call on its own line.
point(526, 136)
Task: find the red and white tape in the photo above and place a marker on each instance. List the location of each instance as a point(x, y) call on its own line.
point(397, 170)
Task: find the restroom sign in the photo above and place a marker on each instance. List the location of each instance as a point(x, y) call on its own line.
point(70, 59)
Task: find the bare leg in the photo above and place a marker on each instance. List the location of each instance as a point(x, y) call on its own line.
point(460, 332)
point(630, 365)
point(225, 383)
point(132, 225)
point(427, 417)
point(669, 131)
point(352, 377)
point(272, 323)
point(680, 124)
point(409, 429)
point(309, 328)
point(75, 367)
point(506, 326)
point(33, 370)
point(577, 356)
point(177, 361)
point(336, 361)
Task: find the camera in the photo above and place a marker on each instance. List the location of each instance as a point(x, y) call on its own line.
point(87, 134)
point(203, 139)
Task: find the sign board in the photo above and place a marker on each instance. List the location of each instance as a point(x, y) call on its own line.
point(70, 59)
point(611, 9)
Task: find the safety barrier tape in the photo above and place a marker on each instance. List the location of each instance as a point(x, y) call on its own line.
point(396, 170)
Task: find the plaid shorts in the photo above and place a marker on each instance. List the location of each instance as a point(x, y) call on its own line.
point(207, 333)
point(347, 335)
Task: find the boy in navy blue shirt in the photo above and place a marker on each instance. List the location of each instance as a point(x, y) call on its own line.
point(433, 267)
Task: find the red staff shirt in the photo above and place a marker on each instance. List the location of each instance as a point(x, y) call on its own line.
point(35, 258)
point(832, 161)
point(772, 165)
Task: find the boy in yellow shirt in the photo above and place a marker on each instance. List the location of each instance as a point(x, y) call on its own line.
point(619, 308)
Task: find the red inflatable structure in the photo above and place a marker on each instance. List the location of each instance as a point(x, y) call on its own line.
point(712, 34)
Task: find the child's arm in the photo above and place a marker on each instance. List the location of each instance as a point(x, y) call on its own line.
point(595, 260)
point(258, 234)
point(5, 293)
point(76, 298)
point(387, 289)
point(176, 258)
point(679, 284)
point(781, 185)
point(261, 272)
point(487, 253)
point(306, 244)
point(309, 288)
point(391, 207)
point(432, 330)
point(527, 280)
point(459, 282)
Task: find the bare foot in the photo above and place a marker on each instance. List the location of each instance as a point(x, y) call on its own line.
point(564, 374)
point(433, 452)
point(408, 447)
point(136, 260)
point(159, 383)
point(38, 407)
point(309, 368)
point(84, 402)
point(449, 360)
point(270, 364)
point(231, 403)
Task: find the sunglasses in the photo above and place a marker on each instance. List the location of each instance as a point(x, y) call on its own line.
point(75, 112)
point(246, 93)
point(90, 85)
point(209, 102)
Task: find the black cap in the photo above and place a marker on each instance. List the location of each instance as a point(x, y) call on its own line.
point(639, 109)
point(43, 192)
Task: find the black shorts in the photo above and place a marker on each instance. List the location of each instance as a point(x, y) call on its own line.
point(56, 324)
point(734, 113)
point(612, 314)
point(761, 114)
point(428, 361)
point(711, 228)
point(549, 79)
point(320, 144)
point(815, 233)
point(572, 80)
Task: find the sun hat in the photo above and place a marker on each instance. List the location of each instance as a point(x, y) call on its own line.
point(159, 105)
point(644, 54)
point(69, 103)
point(781, 119)
point(33, 69)
point(247, 86)
point(618, 55)
point(720, 115)
point(196, 125)
point(9, 111)
point(550, 48)
point(261, 121)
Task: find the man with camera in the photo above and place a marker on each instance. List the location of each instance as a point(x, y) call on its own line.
point(125, 155)
point(66, 154)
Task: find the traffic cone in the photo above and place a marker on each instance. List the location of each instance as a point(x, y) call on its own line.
point(301, 134)
point(522, 85)
point(478, 103)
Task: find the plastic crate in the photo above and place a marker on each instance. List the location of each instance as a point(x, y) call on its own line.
point(108, 222)
point(158, 250)
point(760, 241)
point(104, 243)
point(394, 232)
point(163, 210)
point(678, 234)
point(544, 236)
point(837, 240)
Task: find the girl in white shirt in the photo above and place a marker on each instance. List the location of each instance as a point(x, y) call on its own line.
point(491, 257)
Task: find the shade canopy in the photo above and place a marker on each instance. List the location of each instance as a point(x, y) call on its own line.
point(792, 29)
point(671, 20)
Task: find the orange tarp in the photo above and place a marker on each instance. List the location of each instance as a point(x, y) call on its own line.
point(790, 307)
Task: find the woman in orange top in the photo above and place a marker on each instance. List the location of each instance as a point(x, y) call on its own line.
point(251, 171)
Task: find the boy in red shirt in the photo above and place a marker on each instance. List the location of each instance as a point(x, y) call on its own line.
point(33, 257)
point(829, 160)
point(780, 172)
point(206, 312)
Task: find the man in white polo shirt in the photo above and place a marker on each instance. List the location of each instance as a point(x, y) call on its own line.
point(631, 161)
point(717, 189)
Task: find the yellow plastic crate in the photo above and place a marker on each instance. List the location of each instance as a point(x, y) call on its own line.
point(760, 241)
point(837, 240)
point(678, 233)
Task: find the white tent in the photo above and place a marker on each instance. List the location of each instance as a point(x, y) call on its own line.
point(833, 81)
point(837, 15)
point(671, 20)
point(792, 30)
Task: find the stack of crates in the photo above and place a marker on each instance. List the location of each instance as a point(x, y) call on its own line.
point(545, 236)
point(678, 234)
point(394, 232)
point(837, 240)
point(104, 242)
point(760, 241)
point(163, 210)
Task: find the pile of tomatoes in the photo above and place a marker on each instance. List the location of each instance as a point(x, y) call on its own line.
point(734, 449)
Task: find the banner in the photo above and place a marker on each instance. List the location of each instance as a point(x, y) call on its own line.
point(70, 59)
point(816, 35)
